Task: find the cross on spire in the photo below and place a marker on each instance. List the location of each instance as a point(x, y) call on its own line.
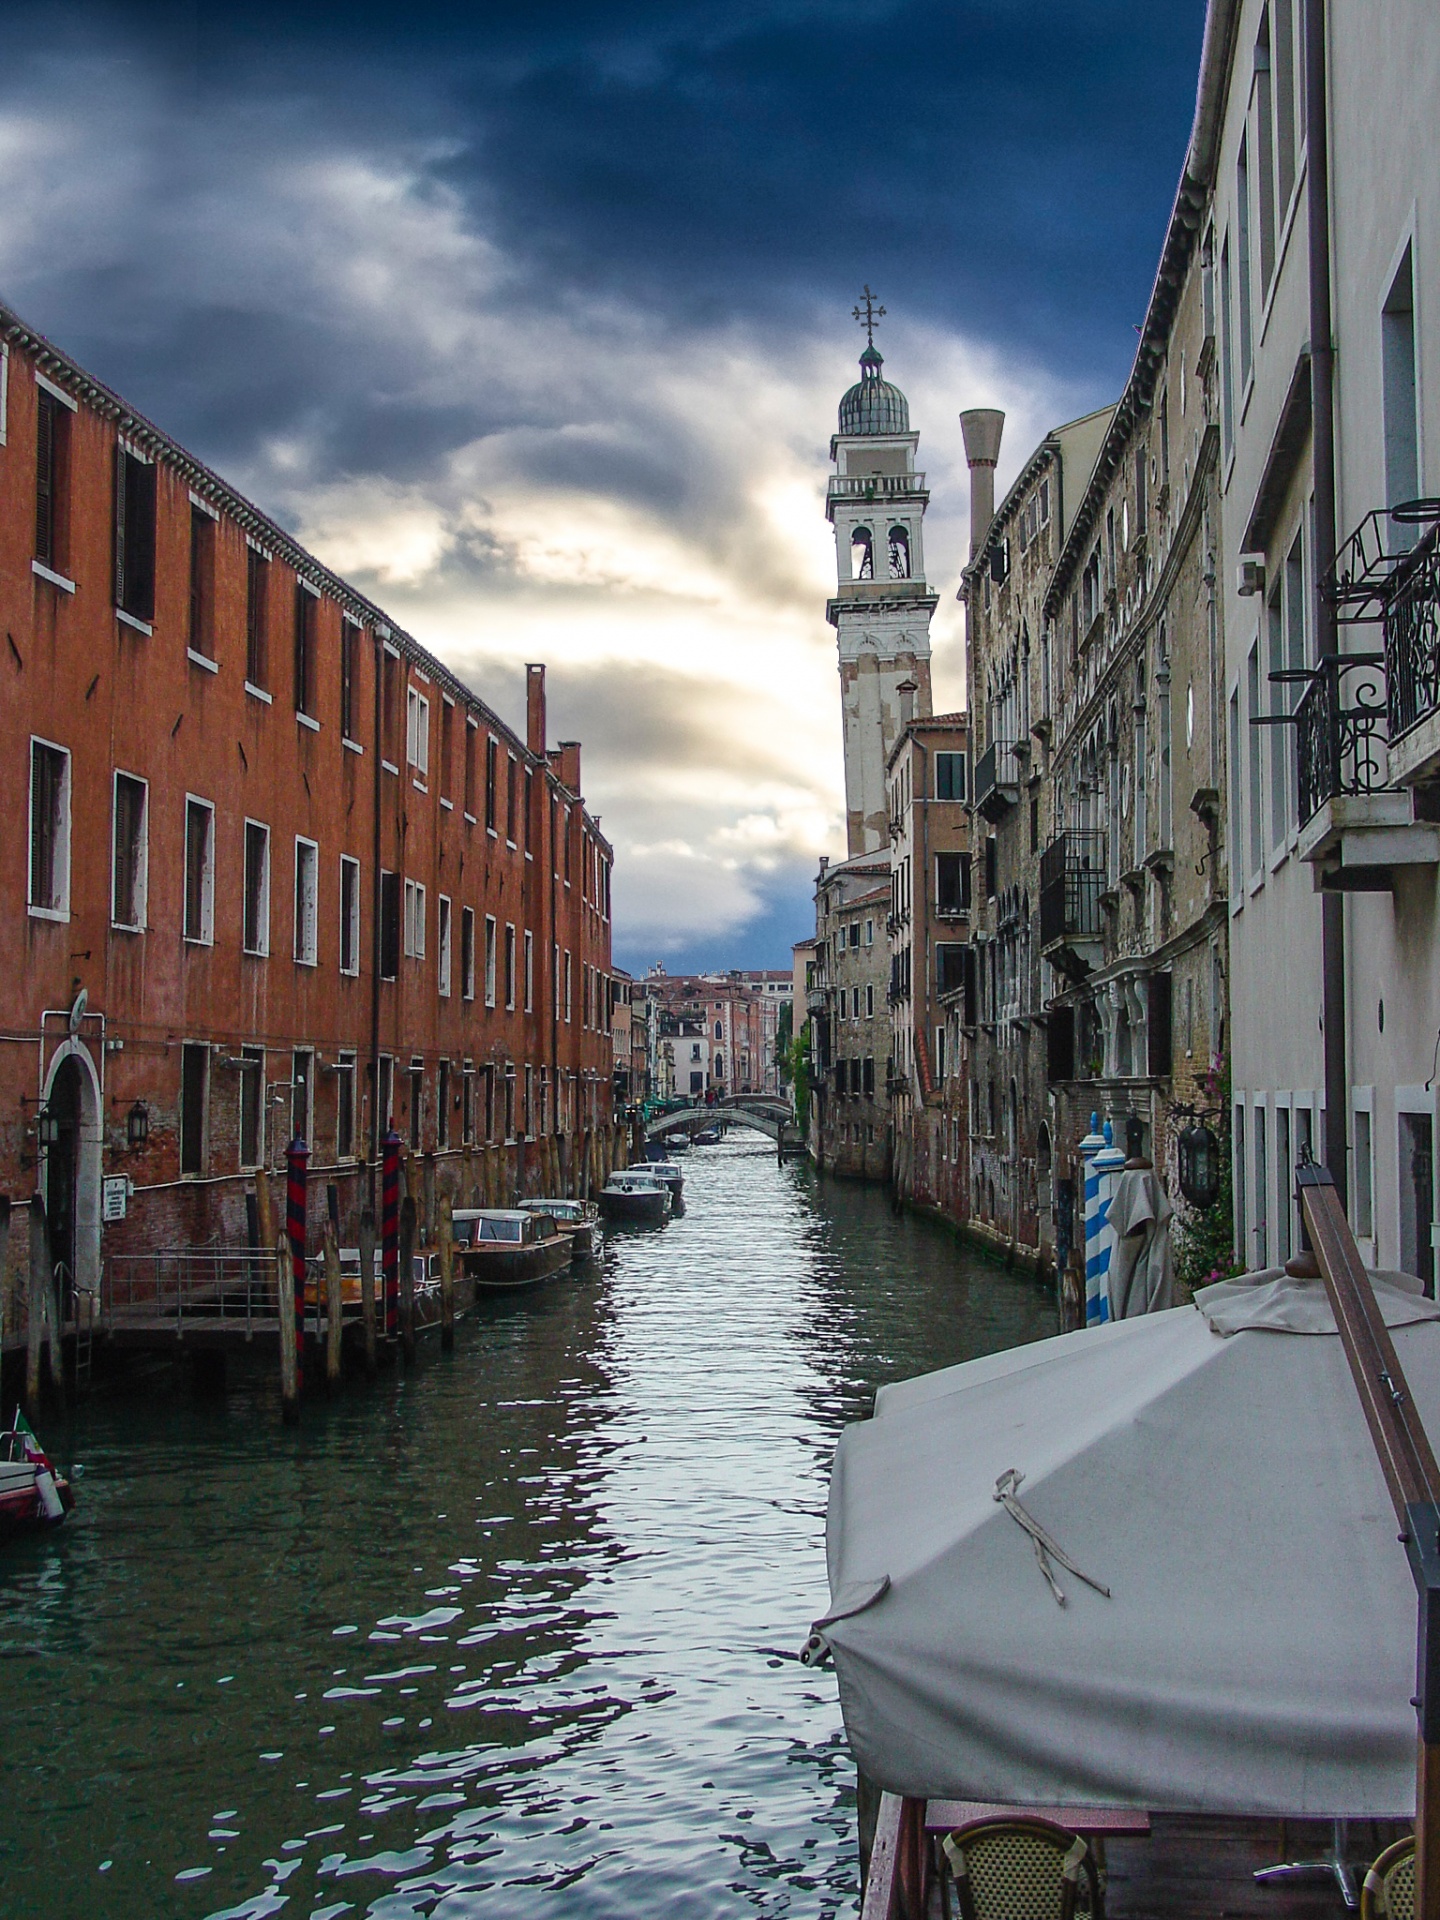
point(868, 315)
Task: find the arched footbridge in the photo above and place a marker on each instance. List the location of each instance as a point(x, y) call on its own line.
point(770, 1117)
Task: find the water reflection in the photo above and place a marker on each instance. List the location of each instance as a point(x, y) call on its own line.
point(522, 1620)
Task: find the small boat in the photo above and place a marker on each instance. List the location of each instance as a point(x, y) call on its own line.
point(674, 1179)
point(508, 1246)
point(577, 1218)
point(708, 1137)
point(32, 1493)
point(637, 1195)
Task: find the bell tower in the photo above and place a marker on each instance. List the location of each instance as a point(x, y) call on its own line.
point(881, 610)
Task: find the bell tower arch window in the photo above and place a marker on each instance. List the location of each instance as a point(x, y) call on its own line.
point(862, 554)
point(899, 553)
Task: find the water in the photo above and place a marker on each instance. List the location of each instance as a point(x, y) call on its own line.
point(514, 1633)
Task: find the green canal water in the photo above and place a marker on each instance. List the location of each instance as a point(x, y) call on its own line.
point(512, 1634)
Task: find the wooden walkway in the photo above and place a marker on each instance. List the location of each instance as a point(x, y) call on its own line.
point(1194, 1868)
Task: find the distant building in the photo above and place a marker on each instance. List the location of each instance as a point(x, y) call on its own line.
point(850, 1018)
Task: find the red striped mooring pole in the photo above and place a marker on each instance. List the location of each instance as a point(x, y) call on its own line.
point(390, 1230)
point(297, 1161)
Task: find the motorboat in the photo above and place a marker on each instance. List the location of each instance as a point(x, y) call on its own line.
point(508, 1246)
point(708, 1137)
point(577, 1218)
point(32, 1493)
point(674, 1179)
point(637, 1195)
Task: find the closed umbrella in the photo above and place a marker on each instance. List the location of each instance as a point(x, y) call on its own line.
point(1238, 1630)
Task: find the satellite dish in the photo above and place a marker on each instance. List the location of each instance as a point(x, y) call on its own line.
point(77, 1011)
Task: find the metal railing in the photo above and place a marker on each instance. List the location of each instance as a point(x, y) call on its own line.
point(997, 768)
point(1339, 749)
point(1072, 879)
point(1412, 638)
point(236, 1285)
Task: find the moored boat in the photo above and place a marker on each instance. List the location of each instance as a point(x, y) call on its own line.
point(707, 1137)
point(32, 1493)
point(674, 1179)
point(635, 1194)
point(508, 1247)
point(575, 1218)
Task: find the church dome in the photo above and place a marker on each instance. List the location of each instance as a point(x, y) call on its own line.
point(872, 405)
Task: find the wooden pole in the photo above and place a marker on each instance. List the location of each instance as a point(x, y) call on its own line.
point(285, 1330)
point(427, 1188)
point(407, 1275)
point(4, 1252)
point(35, 1292)
point(447, 1274)
point(367, 1285)
point(334, 1309)
point(264, 1209)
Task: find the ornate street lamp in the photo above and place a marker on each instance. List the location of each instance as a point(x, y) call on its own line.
point(1199, 1165)
point(137, 1125)
point(47, 1129)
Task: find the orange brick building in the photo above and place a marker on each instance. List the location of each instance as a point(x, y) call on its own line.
point(267, 867)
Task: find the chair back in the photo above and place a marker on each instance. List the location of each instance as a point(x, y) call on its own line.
point(1389, 1890)
point(1006, 1869)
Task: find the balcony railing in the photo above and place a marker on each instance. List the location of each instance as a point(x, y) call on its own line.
point(1412, 638)
point(997, 779)
point(1072, 879)
point(874, 486)
point(1340, 749)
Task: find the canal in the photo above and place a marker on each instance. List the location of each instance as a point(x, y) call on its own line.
point(514, 1633)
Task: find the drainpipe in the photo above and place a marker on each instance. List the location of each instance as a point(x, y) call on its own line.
point(1322, 400)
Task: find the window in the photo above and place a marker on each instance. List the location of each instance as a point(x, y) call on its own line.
point(492, 758)
point(567, 986)
point(48, 889)
point(509, 966)
point(489, 959)
point(414, 920)
point(257, 582)
point(385, 1096)
point(389, 925)
point(129, 863)
point(447, 740)
point(467, 1104)
point(467, 953)
point(529, 812)
point(1261, 1255)
point(305, 605)
point(194, 1077)
point(1227, 352)
point(349, 669)
point(349, 914)
point(1363, 1200)
point(1242, 258)
point(417, 1099)
point(952, 883)
point(470, 797)
point(949, 966)
point(134, 535)
point(1237, 860)
point(417, 732)
point(529, 972)
point(1242, 1219)
point(1397, 342)
point(345, 1106)
point(390, 707)
point(862, 554)
point(255, 927)
point(1280, 782)
point(302, 1080)
point(1265, 156)
point(512, 795)
point(1282, 51)
point(307, 901)
point(949, 776)
point(1256, 796)
point(252, 1107)
point(869, 933)
point(899, 553)
point(202, 581)
point(442, 941)
point(199, 871)
point(442, 1104)
point(1283, 1164)
point(870, 1001)
point(52, 466)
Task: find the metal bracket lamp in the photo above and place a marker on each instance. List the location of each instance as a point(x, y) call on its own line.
point(47, 1129)
point(1199, 1155)
point(137, 1125)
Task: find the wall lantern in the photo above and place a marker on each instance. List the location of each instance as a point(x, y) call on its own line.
point(137, 1125)
point(1199, 1165)
point(47, 1129)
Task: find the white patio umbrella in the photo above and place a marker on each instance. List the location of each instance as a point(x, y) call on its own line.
point(1256, 1650)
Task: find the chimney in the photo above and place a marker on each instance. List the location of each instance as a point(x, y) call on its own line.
point(982, 428)
point(907, 691)
point(569, 765)
point(535, 710)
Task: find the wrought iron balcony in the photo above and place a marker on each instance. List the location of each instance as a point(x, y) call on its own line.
point(1412, 638)
point(997, 779)
point(1072, 879)
point(1340, 749)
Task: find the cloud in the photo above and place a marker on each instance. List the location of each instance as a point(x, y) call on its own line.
point(532, 329)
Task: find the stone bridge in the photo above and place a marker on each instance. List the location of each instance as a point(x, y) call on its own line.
point(769, 1116)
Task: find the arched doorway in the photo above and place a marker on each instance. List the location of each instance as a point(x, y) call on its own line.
point(72, 1171)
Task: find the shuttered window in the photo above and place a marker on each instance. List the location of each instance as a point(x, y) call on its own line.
point(134, 534)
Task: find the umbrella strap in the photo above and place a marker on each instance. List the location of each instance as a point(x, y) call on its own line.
point(1046, 1548)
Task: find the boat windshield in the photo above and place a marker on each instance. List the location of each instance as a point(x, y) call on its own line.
point(500, 1229)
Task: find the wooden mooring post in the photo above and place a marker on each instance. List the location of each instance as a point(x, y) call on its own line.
point(367, 1286)
point(447, 1273)
point(4, 1251)
point(334, 1309)
point(407, 1275)
point(285, 1330)
point(37, 1285)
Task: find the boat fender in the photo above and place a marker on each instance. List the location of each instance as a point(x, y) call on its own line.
point(48, 1495)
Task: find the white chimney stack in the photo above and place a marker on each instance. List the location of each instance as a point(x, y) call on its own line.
point(982, 428)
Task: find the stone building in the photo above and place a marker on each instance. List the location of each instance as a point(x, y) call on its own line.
point(1013, 672)
point(850, 1018)
point(272, 869)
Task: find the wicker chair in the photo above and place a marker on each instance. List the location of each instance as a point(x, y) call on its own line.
point(1021, 1870)
point(1389, 1890)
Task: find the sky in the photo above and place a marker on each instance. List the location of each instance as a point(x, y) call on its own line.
point(532, 321)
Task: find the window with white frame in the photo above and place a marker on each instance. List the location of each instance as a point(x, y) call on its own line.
point(442, 942)
point(414, 920)
point(509, 966)
point(1362, 1197)
point(130, 855)
point(417, 731)
point(467, 953)
point(307, 901)
point(568, 981)
point(255, 908)
point(345, 1106)
point(490, 938)
point(529, 972)
point(199, 924)
point(349, 914)
point(49, 889)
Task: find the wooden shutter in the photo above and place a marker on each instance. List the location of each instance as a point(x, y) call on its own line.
point(1060, 1045)
point(1158, 1026)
